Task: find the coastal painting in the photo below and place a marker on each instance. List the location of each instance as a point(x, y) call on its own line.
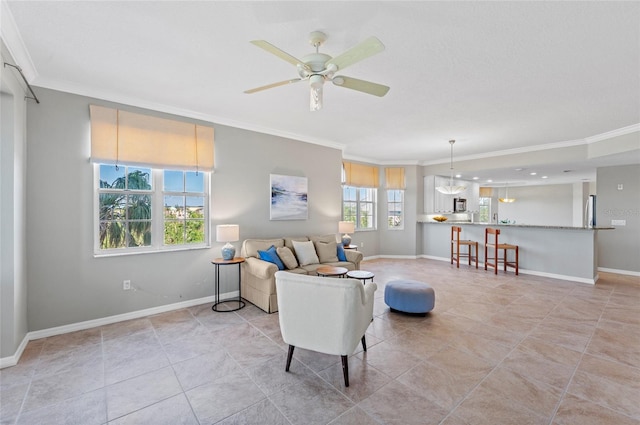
point(288, 198)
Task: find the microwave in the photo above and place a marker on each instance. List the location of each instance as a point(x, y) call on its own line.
point(459, 205)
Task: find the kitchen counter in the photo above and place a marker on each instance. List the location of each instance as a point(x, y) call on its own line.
point(560, 252)
point(533, 226)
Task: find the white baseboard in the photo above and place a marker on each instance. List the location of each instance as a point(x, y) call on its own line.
point(530, 272)
point(617, 271)
point(43, 333)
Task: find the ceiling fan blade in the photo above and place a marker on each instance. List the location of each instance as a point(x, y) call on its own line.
point(270, 86)
point(367, 48)
point(279, 53)
point(361, 85)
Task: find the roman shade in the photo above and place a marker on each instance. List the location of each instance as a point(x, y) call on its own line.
point(360, 175)
point(125, 137)
point(486, 192)
point(394, 178)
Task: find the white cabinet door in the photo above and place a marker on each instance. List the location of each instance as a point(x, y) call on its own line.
point(429, 189)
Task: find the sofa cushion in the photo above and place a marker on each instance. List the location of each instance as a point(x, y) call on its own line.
point(250, 247)
point(271, 256)
point(327, 251)
point(287, 257)
point(340, 252)
point(288, 242)
point(306, 252)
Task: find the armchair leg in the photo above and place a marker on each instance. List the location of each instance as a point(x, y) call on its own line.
point(289, 357)
point(364, 343)
point(345, 370)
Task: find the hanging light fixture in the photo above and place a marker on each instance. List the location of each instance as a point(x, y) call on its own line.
point(506, 199)
point(451, 189)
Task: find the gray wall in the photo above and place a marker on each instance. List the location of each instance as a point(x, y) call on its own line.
point(619, 249)
point(68, 285)
point(548, 205)
point(13, 276)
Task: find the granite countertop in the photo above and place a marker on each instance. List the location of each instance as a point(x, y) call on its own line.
point(516, 225)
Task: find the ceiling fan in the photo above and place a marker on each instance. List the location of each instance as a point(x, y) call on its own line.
point(319, 67)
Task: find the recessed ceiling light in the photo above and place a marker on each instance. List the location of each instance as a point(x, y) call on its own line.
point(458, 176)
point(545, 177)
point(519, 169)
point(476, 178)
point(533, 174)
point(489, 181)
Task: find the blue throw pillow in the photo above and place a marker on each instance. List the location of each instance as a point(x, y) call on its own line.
point(271, 256)
point(341, 255)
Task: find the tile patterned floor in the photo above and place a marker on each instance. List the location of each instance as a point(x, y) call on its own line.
point(496, 350)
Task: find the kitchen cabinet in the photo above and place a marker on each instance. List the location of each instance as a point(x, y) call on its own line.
point(436, 202)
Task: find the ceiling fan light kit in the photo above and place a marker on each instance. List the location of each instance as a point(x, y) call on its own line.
point(451, 189)
point(319, 67)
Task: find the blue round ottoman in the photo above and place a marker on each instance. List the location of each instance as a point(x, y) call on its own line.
point(409, 296)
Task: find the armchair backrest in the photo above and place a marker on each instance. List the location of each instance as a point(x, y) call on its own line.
point(323, 314)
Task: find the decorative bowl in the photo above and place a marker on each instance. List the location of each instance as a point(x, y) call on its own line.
point(440, 218)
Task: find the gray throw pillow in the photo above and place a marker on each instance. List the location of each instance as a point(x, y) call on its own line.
point(287, 257)
point(327, 251)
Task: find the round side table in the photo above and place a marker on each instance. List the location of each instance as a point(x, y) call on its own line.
point(327, 271)
point(360, 274)
point(217, 262)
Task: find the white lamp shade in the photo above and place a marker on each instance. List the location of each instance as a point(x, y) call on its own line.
point(346, 226)
point(227, 233)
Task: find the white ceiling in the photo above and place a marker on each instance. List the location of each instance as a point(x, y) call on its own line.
point(495, 76)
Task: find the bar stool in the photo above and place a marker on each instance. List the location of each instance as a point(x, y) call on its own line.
point(455, 247)
point(494, 246)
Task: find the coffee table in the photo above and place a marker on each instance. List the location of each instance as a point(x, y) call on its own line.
point(360, 274)
point(327, 271)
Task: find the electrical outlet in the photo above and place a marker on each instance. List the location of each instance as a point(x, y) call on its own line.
point(126, 285)
point(361, 244)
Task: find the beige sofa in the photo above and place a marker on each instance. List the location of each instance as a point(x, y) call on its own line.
point(258, 276)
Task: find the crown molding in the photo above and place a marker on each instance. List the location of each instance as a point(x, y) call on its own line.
point(14, 43)
point(613, 133)
point(68, 87)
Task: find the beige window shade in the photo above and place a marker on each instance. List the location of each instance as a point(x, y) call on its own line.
point(486, 192)
point(359, 175)
point(394, 178)
point(128, 138)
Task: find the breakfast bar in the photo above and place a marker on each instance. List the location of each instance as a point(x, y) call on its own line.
point(561, 252)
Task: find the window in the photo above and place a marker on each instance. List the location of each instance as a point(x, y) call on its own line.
point(359, 206)
point(395, 209)
point(485, 209)
point(144, 209)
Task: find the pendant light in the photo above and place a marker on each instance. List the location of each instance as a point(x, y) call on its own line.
point(451, 189)
point(506, 199)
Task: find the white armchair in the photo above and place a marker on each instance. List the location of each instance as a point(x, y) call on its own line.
point(324, 314)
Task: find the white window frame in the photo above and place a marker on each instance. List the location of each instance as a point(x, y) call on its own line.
point(157, 216)
point(401, 204)
point(359, 203)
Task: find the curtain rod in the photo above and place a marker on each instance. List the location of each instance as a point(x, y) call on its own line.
point(25, 81)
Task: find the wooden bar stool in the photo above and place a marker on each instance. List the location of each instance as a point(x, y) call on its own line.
point(455, 247)
point(493, 246)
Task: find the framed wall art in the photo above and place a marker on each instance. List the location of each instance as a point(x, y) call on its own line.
point(288, 198)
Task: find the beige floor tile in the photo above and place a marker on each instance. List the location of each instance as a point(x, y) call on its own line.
point(397, 404)
point(497, 349)
point(485, 407)
point(224, 397)
point(574, 410)
point(608, 383)
point(137, 393)
point(311, 402)
point(172, 411)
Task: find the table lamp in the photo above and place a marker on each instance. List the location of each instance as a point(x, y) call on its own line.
point(346, 227)
point(228, 233)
